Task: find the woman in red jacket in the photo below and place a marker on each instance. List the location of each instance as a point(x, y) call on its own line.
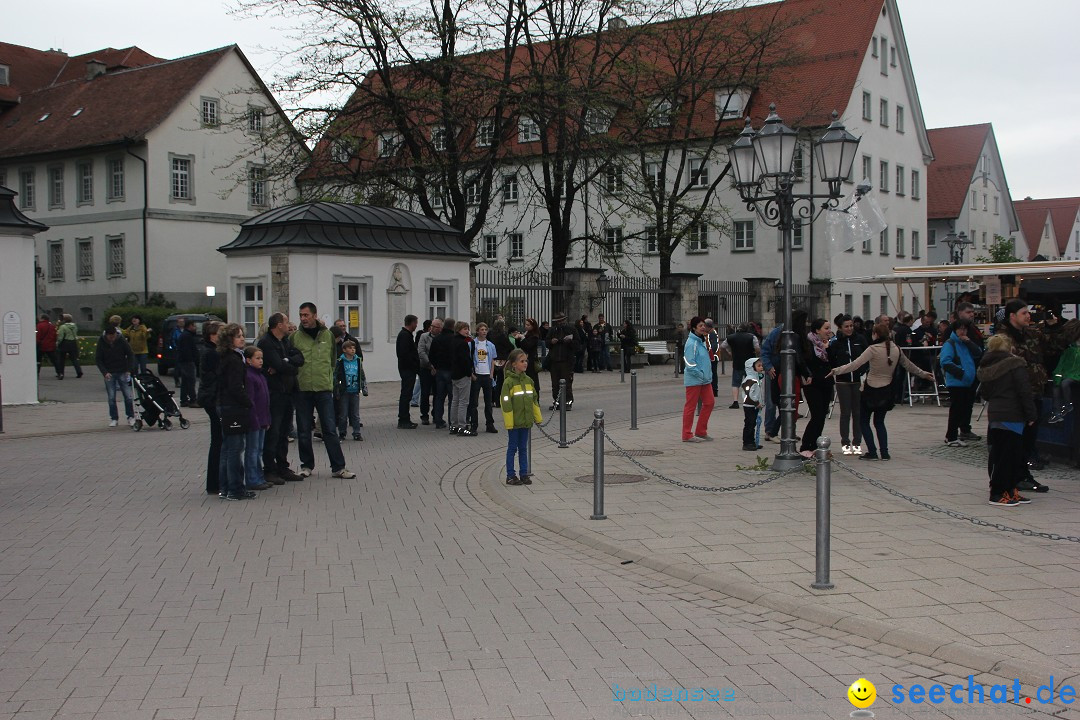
point(46, 344)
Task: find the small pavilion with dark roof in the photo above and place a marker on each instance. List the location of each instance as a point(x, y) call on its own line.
point(369, 266)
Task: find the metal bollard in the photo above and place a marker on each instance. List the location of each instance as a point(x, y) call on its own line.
point(598, 467)
point(562, 415)
point(633, 399)
point(824, 480)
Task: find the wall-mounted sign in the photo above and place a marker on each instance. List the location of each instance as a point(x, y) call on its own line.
point(12, 329)
point(993, 291)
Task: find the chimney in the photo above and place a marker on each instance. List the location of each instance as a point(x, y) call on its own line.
point(94, 68)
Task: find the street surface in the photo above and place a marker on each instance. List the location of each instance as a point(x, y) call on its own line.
point(420, 590)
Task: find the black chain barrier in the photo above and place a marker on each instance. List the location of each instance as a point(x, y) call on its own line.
point(703, 488)
point(955, 513)
point(555, 440)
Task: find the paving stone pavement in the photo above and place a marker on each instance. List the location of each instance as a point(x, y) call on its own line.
point(410, 592)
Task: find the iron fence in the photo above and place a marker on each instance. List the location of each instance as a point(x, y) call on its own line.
point(725, 301)
point(801, 299)
point(516, 295)
point(641, 300)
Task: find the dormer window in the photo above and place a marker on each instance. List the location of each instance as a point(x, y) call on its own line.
point(731, 103)
point(389, 142)
point(44, 117)
point(5, 75)
point(528, 130)
point(77, 113)
point(341, 152)
point(598, 120)
point(660, 113)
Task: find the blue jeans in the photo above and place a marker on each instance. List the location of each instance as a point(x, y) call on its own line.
point(308, 403)
point(138, 363)
point(121, 382)
point(605, 357)
point(348, 413)
point(517, 443)
point(253, 447)
point(416, 390)
point(232, 464)
point(878, 416)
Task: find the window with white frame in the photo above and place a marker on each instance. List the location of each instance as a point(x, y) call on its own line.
point(883, 180)
point(257, 196)
point(899, 118)
point(660, 113)
point(892, 56)
point(796, 235)
point(631, 309)
point(440, 138)
point(115, 185)
point(84, 258)
point(873, 47)
point(698, 238)
point(485, 132)
point(613, 241)
point(491, 247)
point(849, 304)
point(598, 120)
point(251, 309)
point(866, 306)
point(915, 249)
point(351, 304)
point(439, 301)
point(652, 240)
point(743, 235)
point(797, 162)
point(916, 184)
point(931, 239)
point(56, 261)
point(984, 202)
point(5, 76)
point(510, 188)
point(867, 168)
point(472, 193)
point(26, 189)
point(974, 199)
point(867, 106)
point(884, 305)
point(867, 244)
point(255, 116)
point(984, 240)
point(84, 183)
point(436, 194)
point(613, 181)
point(884, 43)
point(388, 143)
point(210, 114)
point(699, 172)
point(900, 242)
point(517, 245)
point(652, 174)
point(1046, 231)
point(883, 112)
point(528, 130)
point(180, 182)
point(730, 103)
point(56, 187)
point(995, 205)
point(883, 242)
point(901, 177)
point(117, 258)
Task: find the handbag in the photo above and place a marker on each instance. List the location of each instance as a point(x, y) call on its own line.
point(878, 398)
point(235, 420)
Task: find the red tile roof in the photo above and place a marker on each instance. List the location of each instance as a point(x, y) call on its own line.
point(828, 38)
point(956, 156)
point(119, 105)
point(1032, 215)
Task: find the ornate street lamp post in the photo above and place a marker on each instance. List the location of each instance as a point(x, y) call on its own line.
point(762, 164)
point(956, 244)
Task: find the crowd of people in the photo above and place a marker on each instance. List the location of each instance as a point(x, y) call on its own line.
point(863, 368)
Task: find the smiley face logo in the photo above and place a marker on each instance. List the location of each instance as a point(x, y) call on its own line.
point(862, 693)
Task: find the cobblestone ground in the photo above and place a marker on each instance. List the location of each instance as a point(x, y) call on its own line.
point(125, 592)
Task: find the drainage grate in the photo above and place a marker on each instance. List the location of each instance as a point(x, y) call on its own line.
point(634, 453)
point(613, 478)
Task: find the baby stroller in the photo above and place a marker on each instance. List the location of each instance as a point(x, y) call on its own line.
point(156, 402)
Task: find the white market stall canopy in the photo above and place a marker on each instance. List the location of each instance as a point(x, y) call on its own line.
point(973, 272)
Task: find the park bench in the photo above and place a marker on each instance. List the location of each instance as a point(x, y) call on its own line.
point(657, 347)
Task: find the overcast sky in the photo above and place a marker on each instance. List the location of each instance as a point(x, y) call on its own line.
point(975, 61)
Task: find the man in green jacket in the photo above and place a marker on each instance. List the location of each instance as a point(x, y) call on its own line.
point(315, 393)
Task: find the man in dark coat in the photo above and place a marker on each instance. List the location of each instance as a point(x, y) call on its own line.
point(281, 363)
point(408, 359)
point(562, 348)
point(187, 357)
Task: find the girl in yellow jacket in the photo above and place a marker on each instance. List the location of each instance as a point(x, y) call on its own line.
point(520, 409)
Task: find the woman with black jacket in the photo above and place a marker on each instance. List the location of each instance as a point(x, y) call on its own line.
point(1011, 409)
point(207, 397)
point(847, 346)
point(233, 403)
point(817, 381)
point(461, 375)
point(628, 341)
